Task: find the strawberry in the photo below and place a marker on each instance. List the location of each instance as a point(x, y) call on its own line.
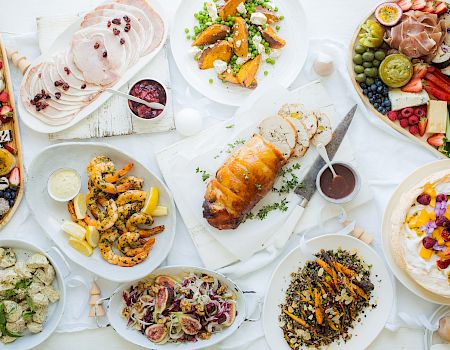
point(440, 8)
point(405, 4)
point(414, 85)
point(420, 70)
point(418, 4)
point(414, 129)
point(4, 97)
point(6, 111)
point(429, 7)
point(423, 126)
point(436, 140)
point(14, 177)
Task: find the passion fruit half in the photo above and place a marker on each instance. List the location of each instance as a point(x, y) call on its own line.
point(388, 14)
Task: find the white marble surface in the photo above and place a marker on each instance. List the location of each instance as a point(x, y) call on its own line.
point(384, 160)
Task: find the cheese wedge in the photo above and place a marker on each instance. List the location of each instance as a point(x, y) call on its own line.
point(437, 116)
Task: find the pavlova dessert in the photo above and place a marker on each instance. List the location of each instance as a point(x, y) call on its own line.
point(421, 233)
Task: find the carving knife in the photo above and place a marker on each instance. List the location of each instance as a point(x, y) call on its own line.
point(308, 186)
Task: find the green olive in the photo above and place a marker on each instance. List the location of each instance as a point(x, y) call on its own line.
point(357, 59)
point(359, 69)
point(367, 64)
point(380, 55)
point(371, 72)
point(370, 81)
point(360, 78)
point(368, 56)
point(360, 48)
point(375, 63)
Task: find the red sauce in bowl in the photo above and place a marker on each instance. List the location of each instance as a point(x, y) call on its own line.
point(151, 91)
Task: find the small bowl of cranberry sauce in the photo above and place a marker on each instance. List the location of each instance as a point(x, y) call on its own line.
point(149, 90)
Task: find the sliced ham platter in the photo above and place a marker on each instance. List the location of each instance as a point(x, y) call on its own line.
point(103, 49)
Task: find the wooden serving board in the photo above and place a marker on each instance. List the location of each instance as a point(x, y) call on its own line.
point(419, 140)
point(13, 125)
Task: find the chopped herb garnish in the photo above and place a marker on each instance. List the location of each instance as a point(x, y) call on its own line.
point(205, 175)
point(230, 126)
point(233, 145)
point(289, 179)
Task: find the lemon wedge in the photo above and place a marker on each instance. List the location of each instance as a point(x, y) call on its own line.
point(73, 229)
point(81, 246)
point(79, 203)
point(92, 236)
point(152, 201)
point(159, 211)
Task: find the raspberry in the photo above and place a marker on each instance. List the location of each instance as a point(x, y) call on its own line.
point(404, 122)
point(424, 199)
point(442, 221)
point(446, 234)
point(428, 242)
point(414, 129)
point(413, 120)
point(419, 112)
point(443, 264)
point(392, 115)
point(441, 197)
point(407, 112)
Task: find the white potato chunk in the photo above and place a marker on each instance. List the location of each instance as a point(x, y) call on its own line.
point(35, 327)
point(40, 315)
point(22, 270)
point(37, 261)
point(13, 310)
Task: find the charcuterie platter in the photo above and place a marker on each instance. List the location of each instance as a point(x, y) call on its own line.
point(400, 67)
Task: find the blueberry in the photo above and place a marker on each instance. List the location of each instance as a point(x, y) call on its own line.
point(373, 87)
point(8, 195)
point(365, 91)
point(388, 102)
point(2, 193)
point(378, 83)
point(376, 105)
point(370, 94)
point(363, 85)
point(11, 202)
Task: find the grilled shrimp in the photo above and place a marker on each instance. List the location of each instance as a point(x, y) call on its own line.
point(138, 219)
point(98, 174)
point(125, 211)
point(96, 161)
point(131, 196)
point(118, 174)
point(131, 243)
point(130, 183)
point(73, 216)
point(107, 217)
point(106, 249)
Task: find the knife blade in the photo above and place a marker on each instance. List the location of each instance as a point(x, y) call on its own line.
point(308, 186)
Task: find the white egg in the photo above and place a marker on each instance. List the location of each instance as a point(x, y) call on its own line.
point(323, 65)
point(189, 121)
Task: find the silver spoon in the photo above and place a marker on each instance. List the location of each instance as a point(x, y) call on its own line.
point(323, 153)
point(154, 105)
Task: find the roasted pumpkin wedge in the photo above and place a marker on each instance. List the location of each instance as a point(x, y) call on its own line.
point(212, 34)
point(247, 73)
point(269, 35)
point(240, 37)
point(270, 15)
point(222, 50)
point(229, 9)
point(230, 78)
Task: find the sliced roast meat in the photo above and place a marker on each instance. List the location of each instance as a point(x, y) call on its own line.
point(302, 137)
point(69, 75)
point(281, 133)
point(324, 130)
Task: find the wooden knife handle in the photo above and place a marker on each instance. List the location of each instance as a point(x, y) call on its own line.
point(360, 233)
point(18, 60)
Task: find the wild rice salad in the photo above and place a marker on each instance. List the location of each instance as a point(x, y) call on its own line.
point(325, 299)
point(179, 310)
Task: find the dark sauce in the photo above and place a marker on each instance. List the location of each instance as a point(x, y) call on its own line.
point(151, 91)
point(339, 187)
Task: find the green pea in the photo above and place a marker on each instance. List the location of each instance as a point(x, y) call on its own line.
point(267, 51)
point(186, 30)
point(264, 26)
point(277, 27)
point(281, 18)
point(367, 64)
point(276, 9)
point(266, 73)
point(380, 55)
point(360, 77)
point(211, 81)
point(188, 37)
point(359, 69)
point(357, 59)
point(368, 56)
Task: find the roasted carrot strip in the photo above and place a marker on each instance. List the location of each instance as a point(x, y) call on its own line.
point(360, 292)
point(318, 305)
point(296, 319)
point(331, 324)
point(325, 266)
point(304, 299)
point(321, 288)
point(345, 270)
point(328, 287)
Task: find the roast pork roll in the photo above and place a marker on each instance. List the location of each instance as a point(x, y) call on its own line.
point(247, 176)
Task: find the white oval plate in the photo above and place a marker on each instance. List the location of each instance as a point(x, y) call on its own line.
point(409, 182)
point(288, 65)
point(62, 42)
point(365, 331)
point(50, 213)
point(132, 335)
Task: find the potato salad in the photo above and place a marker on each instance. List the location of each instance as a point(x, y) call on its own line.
point(26, 292)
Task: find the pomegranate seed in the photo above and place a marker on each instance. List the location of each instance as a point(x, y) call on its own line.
point(83, 86)
point(57, 95)
point(126, 19)
point(116, 21)
point(65, 86)
point(96, 46)
point(441, 197)
point(59, 82)
point(122, 41)
point(428, 242)
point(67, 70)
point(424, 199)
point(443, 264)
point(105, 53)
point(116, 31)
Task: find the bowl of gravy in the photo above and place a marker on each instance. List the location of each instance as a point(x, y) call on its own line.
point(342, 188)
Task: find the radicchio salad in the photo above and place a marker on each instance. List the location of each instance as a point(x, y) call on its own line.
point(169, 309)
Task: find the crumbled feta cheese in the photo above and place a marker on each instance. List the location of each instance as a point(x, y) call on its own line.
point(194, 51)
point(258, 18)
point(257, 39)
point(220, 66)
point(229, 70)
point(238, 43)
point(241, 60)
point(275, 53)
point(230, 39)
point(241, 8)
point(212, 10)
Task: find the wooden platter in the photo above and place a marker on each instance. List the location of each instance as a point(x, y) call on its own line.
point(12, 124)
point(422, 141)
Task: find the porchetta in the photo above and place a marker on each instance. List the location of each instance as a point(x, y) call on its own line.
point(418, 34)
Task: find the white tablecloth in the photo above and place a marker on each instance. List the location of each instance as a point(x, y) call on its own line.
point(384, 160)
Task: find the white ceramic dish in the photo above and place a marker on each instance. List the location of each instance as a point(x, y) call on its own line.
point(24, 250)
point(63, 42)
point(50, 213)
point(288, 65)
point(72, 195)
point(115, 304)
point(365, 331)
point(409, 182)
point(432, 338)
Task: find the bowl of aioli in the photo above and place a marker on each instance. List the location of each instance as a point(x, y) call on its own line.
point(64, 184)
